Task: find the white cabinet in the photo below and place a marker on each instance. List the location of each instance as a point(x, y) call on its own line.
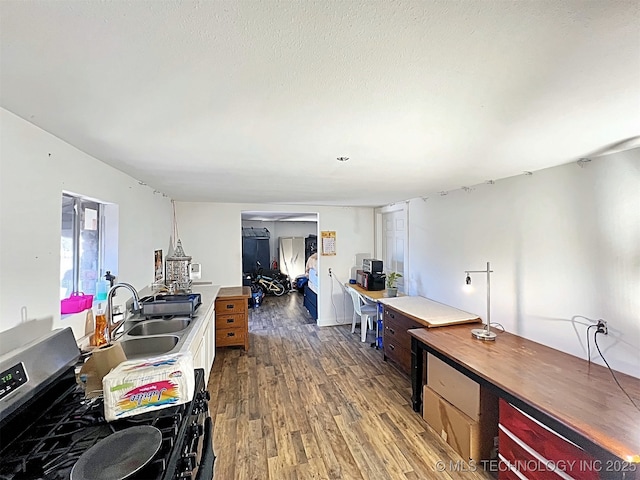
point(211, 341)
point(198, 348)
point(203, 346)
point(198, 355)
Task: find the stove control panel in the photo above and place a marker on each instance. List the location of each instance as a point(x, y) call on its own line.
point(11, 379)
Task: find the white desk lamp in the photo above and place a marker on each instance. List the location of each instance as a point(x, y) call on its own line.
point(483, 333)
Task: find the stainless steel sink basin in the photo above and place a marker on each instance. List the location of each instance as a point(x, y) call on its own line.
point(159, 327)
point(142, 338)
point(148, 346)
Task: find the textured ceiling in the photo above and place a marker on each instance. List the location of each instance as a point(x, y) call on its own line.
point(249, 101)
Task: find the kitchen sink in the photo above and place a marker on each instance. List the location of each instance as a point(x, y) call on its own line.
point(148, 346)
point(159, 327)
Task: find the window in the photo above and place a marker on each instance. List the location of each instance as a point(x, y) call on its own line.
point(81, 246)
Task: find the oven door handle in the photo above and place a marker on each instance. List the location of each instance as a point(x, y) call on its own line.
point(205, 470)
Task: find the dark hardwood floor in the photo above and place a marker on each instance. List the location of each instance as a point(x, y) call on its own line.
point(315, 403)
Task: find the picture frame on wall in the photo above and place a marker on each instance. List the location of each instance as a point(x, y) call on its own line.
point(328, 242)
point(158, 275)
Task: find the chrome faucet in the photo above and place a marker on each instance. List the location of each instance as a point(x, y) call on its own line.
point(112, 291)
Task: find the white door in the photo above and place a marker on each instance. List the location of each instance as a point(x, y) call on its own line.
point(394, 242)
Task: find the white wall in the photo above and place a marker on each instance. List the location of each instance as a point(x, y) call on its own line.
point(211, 234)
point(279, 229)
point(35, 167)
point(295, 229)
point(564, 244)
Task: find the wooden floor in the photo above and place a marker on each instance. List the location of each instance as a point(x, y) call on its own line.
point(315, 403)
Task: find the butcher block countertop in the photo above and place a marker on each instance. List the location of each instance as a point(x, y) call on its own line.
point(581, 398)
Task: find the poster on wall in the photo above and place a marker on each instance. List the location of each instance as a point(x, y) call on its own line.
point(328, 242)
point(158, 276)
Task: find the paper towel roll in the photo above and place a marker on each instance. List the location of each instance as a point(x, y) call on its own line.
point(148, 384)
point(102, 361)
point(106, 358)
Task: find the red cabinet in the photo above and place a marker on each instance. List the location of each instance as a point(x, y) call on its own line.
point(537, 452)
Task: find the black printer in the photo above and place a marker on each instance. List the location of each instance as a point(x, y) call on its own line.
point(374, 281)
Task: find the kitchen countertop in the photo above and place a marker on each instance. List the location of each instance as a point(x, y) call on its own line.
point(208, 296)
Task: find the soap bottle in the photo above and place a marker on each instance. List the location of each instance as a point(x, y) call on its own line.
point(102, 288)
point(101, 332)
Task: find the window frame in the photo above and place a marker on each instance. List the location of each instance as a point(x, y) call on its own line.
point(80, 204)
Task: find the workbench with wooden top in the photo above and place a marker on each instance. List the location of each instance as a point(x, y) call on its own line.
point(546, 396)
point(371, 295)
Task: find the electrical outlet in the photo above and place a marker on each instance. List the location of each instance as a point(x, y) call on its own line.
point(602, 327)
point(329, 272)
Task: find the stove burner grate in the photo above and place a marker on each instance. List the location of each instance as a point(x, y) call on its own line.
point(49, 448)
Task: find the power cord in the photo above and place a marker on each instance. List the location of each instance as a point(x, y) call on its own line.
point(595, 340)
point(588, 343)
point(502, 329)
point(335, 309)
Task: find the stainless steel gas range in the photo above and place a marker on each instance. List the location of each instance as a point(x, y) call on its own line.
point(48, 430)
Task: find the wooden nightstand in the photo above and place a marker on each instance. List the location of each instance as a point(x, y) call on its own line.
point(232, 317)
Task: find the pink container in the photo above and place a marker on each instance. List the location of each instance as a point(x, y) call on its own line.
point(77, 302)
point(88, 299)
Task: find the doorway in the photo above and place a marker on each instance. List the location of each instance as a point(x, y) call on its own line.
point(281, 243)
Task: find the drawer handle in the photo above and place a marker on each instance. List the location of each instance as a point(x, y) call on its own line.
point(392, 315)
point(229, 306)
point(230, 320)
point(231, 334)
point(393, 332)
point(392, 347)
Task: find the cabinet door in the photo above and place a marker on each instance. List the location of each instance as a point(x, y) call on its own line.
point(211, 338)
point(263, 252)
point(199, 354)
point(399, 355)
point(255, 249)
point(310, 302)
point(518, 429)
point(206, 346)
point(396, 341)
point(229, 306)
point(249, 255)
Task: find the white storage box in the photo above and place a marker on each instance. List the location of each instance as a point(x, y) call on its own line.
point(141, 386)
